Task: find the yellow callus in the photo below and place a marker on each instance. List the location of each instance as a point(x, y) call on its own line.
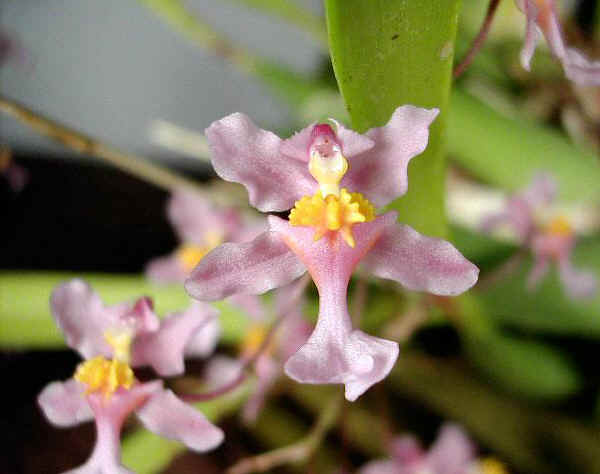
point(103, 375)
point(492, 466)
point(253, 339)
point(560, 226)
point(332, 213)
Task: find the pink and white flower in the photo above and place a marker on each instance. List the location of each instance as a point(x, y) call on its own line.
point(541, 15)
point(550, 240)
point(112, 340)
point(321, 171)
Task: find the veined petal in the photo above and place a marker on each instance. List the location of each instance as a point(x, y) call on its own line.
point(166, 415)
point(65, 404)
point(253, 268)
point(164, 349)
point(380, 173)
point(452, 453)
point(420, 263)
point(246, 154)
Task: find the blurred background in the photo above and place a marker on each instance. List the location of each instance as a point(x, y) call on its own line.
point(516, 368)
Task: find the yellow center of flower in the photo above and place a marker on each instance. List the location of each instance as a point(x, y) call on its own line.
point(105, 375)
point(253, 338)
point(189, 255)
point(332, 213)
point(560, 226)
point(492, 466)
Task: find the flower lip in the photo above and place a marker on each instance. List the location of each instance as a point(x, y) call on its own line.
point(324, 141)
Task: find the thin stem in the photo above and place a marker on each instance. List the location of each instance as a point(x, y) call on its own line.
point(503, 271)
point(479, 39)
point(134, 165)
point(296, 452)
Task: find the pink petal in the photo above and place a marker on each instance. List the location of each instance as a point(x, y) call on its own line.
point(579, 284)
point(221, 370)
point(251, 304)
point(109, 415)
point(166, 415)
point(352, 143)
point(420, 263)
point(580, 69)
point(406, 450)
point(266, 370)
point(452, 453)
point(539, 271)
point(82, 317)
point(204, 342)
point(334, 352)
point(195, 217)
point(164, 349)
point(254, 267)
point(246, 154)
point(65, 404)
point(531, 32)
point(165, 270)
point(541, 192)
point(381, 172)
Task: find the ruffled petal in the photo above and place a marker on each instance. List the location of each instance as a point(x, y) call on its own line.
point(164, 270)
point(579, 284)
point(253, 268)
point(166, 415)
point(420, 263)
point(381, 172)
point(246, 154)
point(65, 404)
point(452, 453)
point(353, 143)
point(164, 349)
point(298, 144)
point(335, 353)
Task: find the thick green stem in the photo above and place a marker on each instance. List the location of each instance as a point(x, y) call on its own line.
point(387, 53)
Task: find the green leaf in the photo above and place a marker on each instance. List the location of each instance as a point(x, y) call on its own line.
point(387, 53)
point(508, 152)
point(26, 322)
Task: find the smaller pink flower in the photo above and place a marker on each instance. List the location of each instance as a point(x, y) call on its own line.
point(333, 178)
point(541, 15)
point(104, 388)
point(549, 241)
point(452, 453)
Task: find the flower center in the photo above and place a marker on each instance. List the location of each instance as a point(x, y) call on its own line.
point(332, 213)
point(560, 226)
point(327, 165)
point(105, 375)
point(190, 255)
point(253, 339)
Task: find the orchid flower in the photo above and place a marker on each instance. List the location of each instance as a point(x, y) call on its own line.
point(541, 15)
point(550, 240)
point(321, 172)
point(114, 339)
point(452, 453)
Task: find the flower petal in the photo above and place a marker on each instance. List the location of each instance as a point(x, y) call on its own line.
point(251, 304)
point(334, 352)
point(166, 415)
point(580, 69)
point(420, 263)
point(579, 284)
point(65, 404)
point(166, 270)
point(539, 270)
point(164, 349)
point(254, 267)
point(381, 467)
point(266, 370)
point(353, 143)
point(204, 342)
point(82, 317)
point(452, 452)
point(381, 172)
point(298, 144)
point(531, 32)
point(246, 154)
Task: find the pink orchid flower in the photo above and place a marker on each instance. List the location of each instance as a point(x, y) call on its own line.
point(331, 230)
point(452, 453)
point(112, 340)
point(541, 15)
point(551, 241)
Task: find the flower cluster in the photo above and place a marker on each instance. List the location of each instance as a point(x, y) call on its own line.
point(113, 340)
point(334, 179)
point(550, 240)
